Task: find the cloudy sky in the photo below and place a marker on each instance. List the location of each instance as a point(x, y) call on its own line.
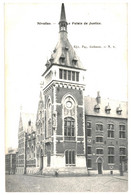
point(28, 45)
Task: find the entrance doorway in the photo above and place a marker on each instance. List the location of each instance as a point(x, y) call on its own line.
point(99, 164)
point(99, 168)
point(48, 159)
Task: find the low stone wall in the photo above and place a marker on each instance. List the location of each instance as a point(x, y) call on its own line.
point(32, 170)
point(104, 172)
point(20, 170)
point(66, 171)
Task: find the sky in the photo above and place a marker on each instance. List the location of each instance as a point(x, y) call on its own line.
point(28, 45)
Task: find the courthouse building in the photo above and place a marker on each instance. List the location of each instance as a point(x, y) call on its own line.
point(71, 133)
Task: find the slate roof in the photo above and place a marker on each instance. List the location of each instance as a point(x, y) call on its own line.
point(90, 103)
point(64, 49)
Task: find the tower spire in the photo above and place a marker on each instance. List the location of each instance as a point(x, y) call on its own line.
point(63, 22)
point(63, 15)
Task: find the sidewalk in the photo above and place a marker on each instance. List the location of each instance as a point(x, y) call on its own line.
point(124, 177)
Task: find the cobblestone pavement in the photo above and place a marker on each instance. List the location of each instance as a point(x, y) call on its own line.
point(24, 183)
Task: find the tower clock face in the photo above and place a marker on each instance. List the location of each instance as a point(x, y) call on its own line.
point(69, 104)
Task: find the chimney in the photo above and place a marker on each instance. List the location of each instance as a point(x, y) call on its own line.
point(98, 98)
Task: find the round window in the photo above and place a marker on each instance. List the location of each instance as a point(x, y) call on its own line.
point(69, 104)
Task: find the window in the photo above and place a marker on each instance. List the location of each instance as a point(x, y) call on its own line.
point(99, 139)
point(110, 134)
point(89, 129)
point(73, 76)
point(99, 151)
point(74, 61)
point(77, 76)
point(111, 152)
point(89, 163)
point(89, 150)
point(62, 28)
point(99, 127)
point(119, 110)
point(68, 75)
point(122, 158)
point(107, 109)
point(28, 153)
point(122, 151)
point(110, 130)
point(32, 152)
point(62, 60)
point(110, 126)
point(69, 126)
point(60, 74)
point(70, 157)
point(122, 133)
point(110, 159)
point(49, 119)
point(97, 108)
point(65, 74)
point(122, 127)
point(88, 124)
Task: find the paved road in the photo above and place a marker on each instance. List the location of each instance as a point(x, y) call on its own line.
point(24, 183)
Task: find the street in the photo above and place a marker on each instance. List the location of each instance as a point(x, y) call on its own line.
point(24, 183)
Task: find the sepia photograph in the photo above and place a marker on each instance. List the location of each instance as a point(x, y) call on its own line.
point(66, 96)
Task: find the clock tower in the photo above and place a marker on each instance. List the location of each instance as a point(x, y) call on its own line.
point(64, 118)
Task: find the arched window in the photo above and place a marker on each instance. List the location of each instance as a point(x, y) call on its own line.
point(49, 119)
point(70, 158)
point(28, 151)
point(32, 152)
point(69, 127)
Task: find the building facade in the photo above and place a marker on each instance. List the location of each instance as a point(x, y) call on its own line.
point(26, 143)
point(11, 161)
point(106, 135)
point(72, 133)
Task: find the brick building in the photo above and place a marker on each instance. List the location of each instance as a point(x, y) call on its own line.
point(72, 133)
point(106, 135)
point(11, 161)
point(26, 143)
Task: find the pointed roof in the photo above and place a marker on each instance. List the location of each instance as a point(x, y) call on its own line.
point(64, 49)
point(69, 54)
point(63, 15)
point(24, 119)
